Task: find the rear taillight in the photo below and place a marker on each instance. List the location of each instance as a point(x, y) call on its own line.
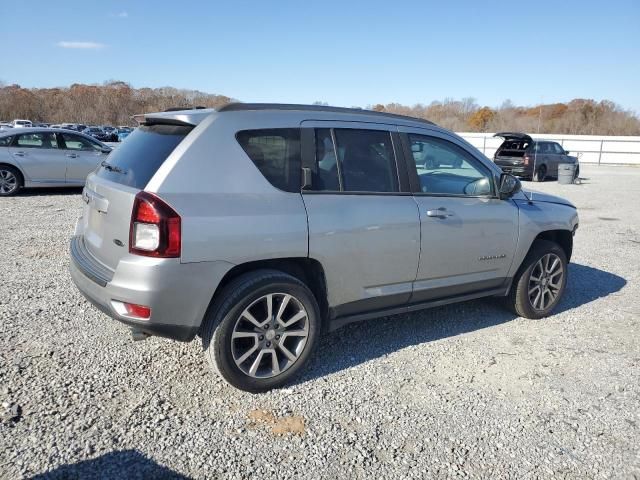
point(526, 159)
point(155, 229)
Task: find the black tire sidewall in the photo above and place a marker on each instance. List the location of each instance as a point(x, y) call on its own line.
point(227, 316)
point(520, 292)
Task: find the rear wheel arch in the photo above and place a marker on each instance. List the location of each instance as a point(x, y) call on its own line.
point(309, 271)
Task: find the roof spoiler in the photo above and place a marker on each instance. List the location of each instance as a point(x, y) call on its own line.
point(182, 117)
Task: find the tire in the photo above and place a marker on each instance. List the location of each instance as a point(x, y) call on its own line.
point(233, 344)
point(10, 181)
point(540, 174)
point(519, 299)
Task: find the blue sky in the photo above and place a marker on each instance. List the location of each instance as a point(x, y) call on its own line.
point(342, 52)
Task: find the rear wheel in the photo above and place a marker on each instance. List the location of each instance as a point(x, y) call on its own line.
point(540, 281)
point(263, 331)
point(540, 174)
point(10, 181)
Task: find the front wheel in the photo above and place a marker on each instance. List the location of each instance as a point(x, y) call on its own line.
point(263, 330)
point(540, 281)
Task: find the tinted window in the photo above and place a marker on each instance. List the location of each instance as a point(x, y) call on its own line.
point(446, 169)
point(5, 141)
point(558, 149)
point(135, 161)
point(276, 153)
point(367, 163)
point(37, 140)
point(327, 177)
point(76, 142)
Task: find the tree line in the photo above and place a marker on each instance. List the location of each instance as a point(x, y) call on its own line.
point(577, 117)
point(115, 102)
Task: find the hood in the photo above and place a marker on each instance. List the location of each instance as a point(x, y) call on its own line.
point(539, 197)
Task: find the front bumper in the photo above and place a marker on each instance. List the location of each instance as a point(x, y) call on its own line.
point(177, 293)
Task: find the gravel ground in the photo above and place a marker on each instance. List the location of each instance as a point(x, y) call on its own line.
point(466, 390)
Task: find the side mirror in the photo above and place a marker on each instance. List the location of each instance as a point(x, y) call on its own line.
point(509, 186)
point(567, 152)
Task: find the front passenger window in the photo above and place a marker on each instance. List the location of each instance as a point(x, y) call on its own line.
point(446, 169)
point(76, 142)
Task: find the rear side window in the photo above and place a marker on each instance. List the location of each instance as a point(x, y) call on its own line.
point(276, 153)
point(366, 160)
point(5, 141)
point(135, 161)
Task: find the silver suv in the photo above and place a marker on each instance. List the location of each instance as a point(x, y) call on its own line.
point(260, 226)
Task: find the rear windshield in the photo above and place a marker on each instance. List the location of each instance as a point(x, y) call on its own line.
point(513, 148)
point(136, 160)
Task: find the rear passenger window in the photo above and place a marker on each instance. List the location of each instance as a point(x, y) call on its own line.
point(276, 153)
point(365, 162)
point(5, 141)
point(366, 159)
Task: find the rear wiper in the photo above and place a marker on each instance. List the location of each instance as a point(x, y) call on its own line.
point(111, 168)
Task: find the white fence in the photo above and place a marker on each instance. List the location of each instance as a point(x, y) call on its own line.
point(590, 148)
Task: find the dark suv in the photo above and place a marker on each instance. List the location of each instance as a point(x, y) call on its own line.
point(522, 156)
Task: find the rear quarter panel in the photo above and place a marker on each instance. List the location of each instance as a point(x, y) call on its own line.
point(229, 210)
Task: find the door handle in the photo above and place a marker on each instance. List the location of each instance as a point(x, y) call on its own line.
point(439, 213)
point(72, 155)
point(19, 154)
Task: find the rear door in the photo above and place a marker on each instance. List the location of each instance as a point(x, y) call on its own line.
point(468, 235)
point(38, 155)
point(363, 222)
point(110, 191)
point(83, 156)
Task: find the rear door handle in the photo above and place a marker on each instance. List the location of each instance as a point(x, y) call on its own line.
point(72, 155)
point(19, 154)
point(439, 213)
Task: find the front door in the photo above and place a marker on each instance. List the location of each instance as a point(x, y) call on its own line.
point(83, 156)
point(468, 235)
point(39, 157)
point(362, 228)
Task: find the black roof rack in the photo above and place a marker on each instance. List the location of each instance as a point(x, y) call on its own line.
point(236, 107)
point(177, 109)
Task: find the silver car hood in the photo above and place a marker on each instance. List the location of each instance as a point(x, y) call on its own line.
point(537, 197)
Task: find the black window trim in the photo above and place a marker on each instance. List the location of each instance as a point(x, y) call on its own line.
point(413, 171)
point(309, 160)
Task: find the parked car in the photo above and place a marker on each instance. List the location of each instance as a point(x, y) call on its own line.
point(259, 226)
point(5, 126)
point(43, 157)
point(17, 123)
point(98, 134)
point(112, 133)
point(525, 157)
point(123, 133)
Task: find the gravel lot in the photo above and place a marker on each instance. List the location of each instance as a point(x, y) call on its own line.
point(466, 390)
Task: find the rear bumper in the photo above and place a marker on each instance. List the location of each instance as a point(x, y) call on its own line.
point(517, 170)
point(178, 294)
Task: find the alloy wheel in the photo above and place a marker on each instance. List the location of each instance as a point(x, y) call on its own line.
point(270, 335)
point(545, 281)
point(8, 182)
